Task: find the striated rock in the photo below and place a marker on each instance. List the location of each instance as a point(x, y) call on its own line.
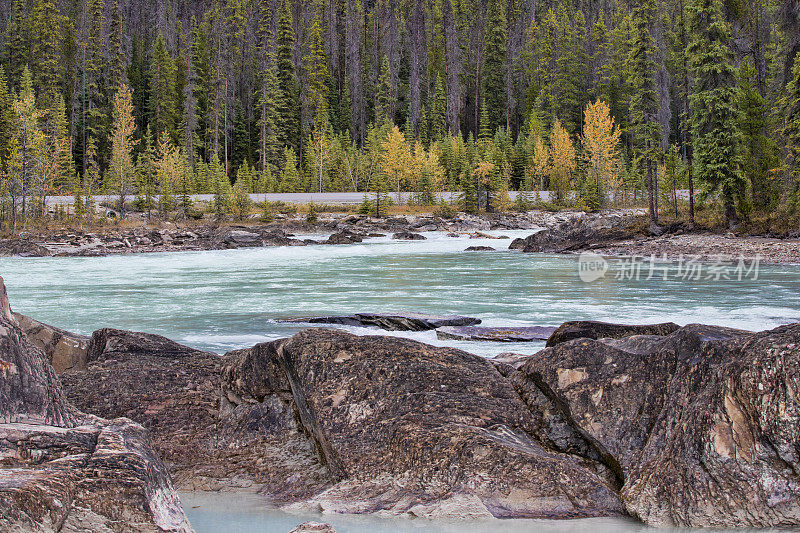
point(62, 470)
point(575, 234)
point(699, 425)
point(591, 329)
point(496, 334)
point(393, 322)
point(408, 236)
point(313, 527)
point(404, 427)
point(169, 388)
point(64, 350)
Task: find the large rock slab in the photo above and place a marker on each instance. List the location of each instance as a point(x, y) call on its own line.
point(496, 334)
point(393, 322)
point(574, 235)
point(63, 470)
point(591, 329)
point(699, 425)
point(404, 427)
point(64, 350)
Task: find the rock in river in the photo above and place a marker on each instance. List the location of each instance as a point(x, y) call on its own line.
point(393, 322)
point(408, 236)
point(63, 470)
point(496, 334)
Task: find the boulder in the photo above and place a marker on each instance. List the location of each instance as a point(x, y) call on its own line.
point(496, 334)
point(344, 237)
point(393, 322)
point(591, 329)
point(236, 238)
point(169, 388)
point(408, 236)
point(480, 249)
point(64, 350)
point(700, 425)
point(63, 470)
point(572, 235)
point(407, 428)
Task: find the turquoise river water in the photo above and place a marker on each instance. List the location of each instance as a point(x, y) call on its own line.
point(221, 300)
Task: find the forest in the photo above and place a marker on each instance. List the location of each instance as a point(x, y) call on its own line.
point(603, 102)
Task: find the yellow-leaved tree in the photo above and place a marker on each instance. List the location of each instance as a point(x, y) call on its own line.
point(120, 170)
point(396, 163)
point(562, 161)
point(601, 147)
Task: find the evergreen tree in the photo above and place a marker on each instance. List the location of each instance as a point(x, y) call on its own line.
point(291, 180)
point(146, 174)
point(645, 101)
point(288, 103)
point(383, 106)
point(495, 64)
point(46, 49)
point(162, 93)
point(714, 117)
point(317, 77)
point(791, 137)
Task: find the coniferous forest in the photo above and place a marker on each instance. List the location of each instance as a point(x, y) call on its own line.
point(603, 103)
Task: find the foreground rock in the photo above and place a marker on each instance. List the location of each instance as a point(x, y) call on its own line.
point(393, 322)
point(64, 350)
point(693, 428)
point(591, 329)
point(405, 427)
point(701, 425)
point(496, 334)
point(62, 470)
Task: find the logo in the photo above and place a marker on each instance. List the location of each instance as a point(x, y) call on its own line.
point(591, 267)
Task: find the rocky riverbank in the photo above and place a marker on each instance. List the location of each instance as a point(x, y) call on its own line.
point(628, 236)
point(284, 231)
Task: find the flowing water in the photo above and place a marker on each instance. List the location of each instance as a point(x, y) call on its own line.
point(221, 300)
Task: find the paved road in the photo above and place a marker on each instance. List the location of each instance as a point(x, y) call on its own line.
point(328, 198)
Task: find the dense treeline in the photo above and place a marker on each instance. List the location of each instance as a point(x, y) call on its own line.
point(162, 98)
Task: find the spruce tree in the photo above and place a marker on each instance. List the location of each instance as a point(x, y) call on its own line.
point(645, 101)
point(288, 103)
point(383, 107)
point(162, 91)
point(494, 65)
point(716, 136)
point(791, 137)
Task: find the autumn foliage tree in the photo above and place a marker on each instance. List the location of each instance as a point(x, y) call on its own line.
point(601, 150)
point(562, 161)
point(121, 170)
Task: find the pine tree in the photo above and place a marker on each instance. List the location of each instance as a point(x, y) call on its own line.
point(162, 95)
point(291, 180)
point(791, 136)
point(317, 75)
point(494, 65)
point(288, 103)
point(146, 183)
point(117, 66)
point(121, 169)
point(6, 119)
point(383, 106)
point(46, 49)
point(439, 110)
point(645, 102)
point(221, 188)
point(714, 117)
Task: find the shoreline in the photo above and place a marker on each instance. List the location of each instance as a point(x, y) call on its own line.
point(627, 240)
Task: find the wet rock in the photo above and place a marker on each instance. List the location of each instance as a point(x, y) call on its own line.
point(496, 334)
point(344, 237)
point(700, 425)
point(393, 322)
point(23, 247)
point(64, 350)
point(403, 427)
point(242, 238)
point(408, 236)
point(63, 470)
point(592, 329)
point(313, 527)
point(480, 249)
point(573, 235)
